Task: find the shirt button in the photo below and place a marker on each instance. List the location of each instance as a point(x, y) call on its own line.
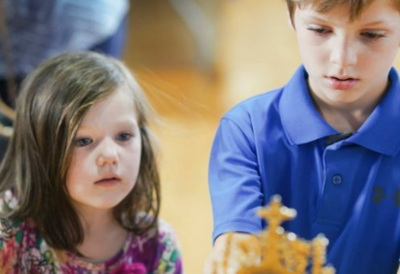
point(337, 179)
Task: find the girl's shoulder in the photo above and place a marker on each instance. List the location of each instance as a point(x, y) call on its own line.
point(170, 259)
point(162, 229)
point(158, 249)
point(155, 251)
point(21, 246)
point(167, 235)
point(10, 239)
point(14, 232)
point(162, 234)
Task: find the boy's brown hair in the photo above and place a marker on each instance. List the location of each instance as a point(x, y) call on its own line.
point(52, 104)
point(356, 7)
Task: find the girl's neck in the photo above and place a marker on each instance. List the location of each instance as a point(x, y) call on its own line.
point(94, 219)
point(104, 237)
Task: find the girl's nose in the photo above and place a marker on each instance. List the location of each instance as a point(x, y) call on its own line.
point(107, 153)
point(343, 53)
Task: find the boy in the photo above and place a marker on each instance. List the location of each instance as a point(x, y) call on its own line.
point(328, 142)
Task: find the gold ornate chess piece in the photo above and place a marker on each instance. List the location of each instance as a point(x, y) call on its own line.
point(275, 251)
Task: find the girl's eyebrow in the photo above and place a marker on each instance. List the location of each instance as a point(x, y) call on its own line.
point(126, 122)
point(122, 122)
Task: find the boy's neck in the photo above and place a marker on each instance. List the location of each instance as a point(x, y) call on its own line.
point(345, 117)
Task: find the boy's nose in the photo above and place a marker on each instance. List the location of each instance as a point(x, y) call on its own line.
point(343, 53)
point(107, 154)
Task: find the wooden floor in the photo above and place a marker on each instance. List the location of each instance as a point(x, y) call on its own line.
point(189, 110)
point(256, 52)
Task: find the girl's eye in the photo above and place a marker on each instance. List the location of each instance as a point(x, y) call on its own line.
point(124, 136)
point(373, 35)
point(83, 142)
point(319, 30)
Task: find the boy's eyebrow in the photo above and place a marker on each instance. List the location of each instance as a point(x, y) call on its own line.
point(376, 22)
point(317, 17)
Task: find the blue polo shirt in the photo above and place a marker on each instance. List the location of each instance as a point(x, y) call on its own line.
point(277, 143)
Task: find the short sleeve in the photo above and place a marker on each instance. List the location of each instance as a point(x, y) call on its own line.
point(234, 178)
point(170, 254)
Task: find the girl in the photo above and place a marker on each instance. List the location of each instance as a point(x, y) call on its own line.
point(79, 182)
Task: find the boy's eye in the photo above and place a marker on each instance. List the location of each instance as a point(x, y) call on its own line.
point(83, 142)
point(373, 35)
point(124, 136)
point(318, 30)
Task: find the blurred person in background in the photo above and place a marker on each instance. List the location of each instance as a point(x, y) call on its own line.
point(32, 31)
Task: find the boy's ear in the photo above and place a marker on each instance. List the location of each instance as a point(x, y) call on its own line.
point(290, 20)
point(291, 24)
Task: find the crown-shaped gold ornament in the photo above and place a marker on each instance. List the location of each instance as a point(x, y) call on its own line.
point(275, 251)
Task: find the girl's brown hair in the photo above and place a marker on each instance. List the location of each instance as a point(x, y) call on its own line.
point(53, 101)
point(356, 7)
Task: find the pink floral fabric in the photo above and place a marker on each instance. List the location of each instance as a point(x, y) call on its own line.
point(23, 250)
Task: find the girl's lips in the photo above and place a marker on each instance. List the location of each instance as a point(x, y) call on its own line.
point(342, 84)
point(108, 182)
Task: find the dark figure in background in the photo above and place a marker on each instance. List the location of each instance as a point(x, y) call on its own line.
point(32, 31)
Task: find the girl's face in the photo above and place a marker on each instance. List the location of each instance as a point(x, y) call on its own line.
point(106, 154)
point(348, 62)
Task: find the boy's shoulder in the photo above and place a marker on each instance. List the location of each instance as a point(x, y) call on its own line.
point(269, 103)
point(263, 99)
point(256, 106)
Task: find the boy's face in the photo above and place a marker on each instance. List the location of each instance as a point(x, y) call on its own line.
point(348, 62)
point(106, 154)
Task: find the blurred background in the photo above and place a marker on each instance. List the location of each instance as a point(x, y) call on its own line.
point(195, 60)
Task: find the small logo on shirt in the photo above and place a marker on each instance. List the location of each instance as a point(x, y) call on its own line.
point(380, 195)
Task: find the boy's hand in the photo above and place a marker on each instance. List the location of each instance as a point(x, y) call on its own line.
point(226, 254)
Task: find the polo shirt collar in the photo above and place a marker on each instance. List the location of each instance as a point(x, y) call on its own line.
point(303, 123)
point(301, 120)
point(381, 131)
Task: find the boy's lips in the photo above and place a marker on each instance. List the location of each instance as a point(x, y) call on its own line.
point(342, 83)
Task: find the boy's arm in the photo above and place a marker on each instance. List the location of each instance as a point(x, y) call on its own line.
point(234, 177)
point(226, 253)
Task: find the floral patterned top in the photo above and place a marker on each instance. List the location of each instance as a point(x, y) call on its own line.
point(23, 250)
